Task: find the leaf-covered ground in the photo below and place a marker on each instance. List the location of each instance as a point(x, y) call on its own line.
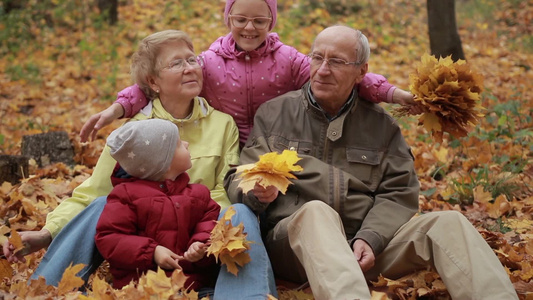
point(61, 63)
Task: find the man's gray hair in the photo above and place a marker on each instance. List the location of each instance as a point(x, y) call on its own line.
point(362, 50)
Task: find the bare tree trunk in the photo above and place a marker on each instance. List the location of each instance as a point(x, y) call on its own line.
point(48, 148)
point(443, 36)
point(13, 168)
point(10, 5)
point(110, 9)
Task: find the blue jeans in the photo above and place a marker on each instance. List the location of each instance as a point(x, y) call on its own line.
point(73, 245)
point(256, 279)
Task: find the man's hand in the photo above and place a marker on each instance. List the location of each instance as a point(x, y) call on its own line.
point(265, 195)
point(195, 252)
point(100, 120)
point(364, 255)
point(166, 259)
point(32, 241)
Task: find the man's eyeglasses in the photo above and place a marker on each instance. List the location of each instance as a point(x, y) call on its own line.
point(178, 65)
point(241, 21)
point(333, 63)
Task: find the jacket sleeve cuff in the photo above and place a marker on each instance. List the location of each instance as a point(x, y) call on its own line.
point(132, 100)
point(126, 105)
point(52, 228)
point(390, 93)
point(150, 259)
point(375, 88)
point(372, 239)
point(254, 204)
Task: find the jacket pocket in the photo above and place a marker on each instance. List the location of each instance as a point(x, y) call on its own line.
point(205, 162)
point(364, 165)
point(279, 144)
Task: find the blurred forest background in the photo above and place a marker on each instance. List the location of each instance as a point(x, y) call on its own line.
point(64, 60)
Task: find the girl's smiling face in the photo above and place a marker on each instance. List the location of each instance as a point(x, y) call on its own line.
point(249, 38)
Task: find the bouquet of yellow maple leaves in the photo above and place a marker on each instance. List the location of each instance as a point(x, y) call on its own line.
point(229, 244)
point(448, 94)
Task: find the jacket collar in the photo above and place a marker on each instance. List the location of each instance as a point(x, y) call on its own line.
point(225, 46)
point(335, 124)
point(344, 108)
point(169, 186)
point(155, 109)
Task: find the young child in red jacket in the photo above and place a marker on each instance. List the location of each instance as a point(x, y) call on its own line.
point(154, 216)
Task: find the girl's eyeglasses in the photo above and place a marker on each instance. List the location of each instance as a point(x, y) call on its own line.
point(241, 21)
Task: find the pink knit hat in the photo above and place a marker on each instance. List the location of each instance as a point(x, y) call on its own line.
point(272, 5)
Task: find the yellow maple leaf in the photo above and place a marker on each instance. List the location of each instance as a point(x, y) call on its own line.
point(5, 188)
point(39, 287)
point(528, 247)
point(178, 278)
point(69, 281)
point(6, 271)
point(520, 225)
point(441, 155)
point(381, 282)
point(430, 122)
point(481, 196)
point(16, 241)
point(157, 284)
point(233, 259)
point(3, 231)
point(100, 289)
point(379, 296)
point(228, 243)
point(272, 169)
point(294, 295)
point(21, 289)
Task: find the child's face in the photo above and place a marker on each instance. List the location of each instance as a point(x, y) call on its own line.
point(249, 38)
point(181, 161)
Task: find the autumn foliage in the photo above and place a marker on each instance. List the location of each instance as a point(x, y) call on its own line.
point(61, 63)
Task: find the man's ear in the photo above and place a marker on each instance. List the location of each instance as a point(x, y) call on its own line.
point(363, 70)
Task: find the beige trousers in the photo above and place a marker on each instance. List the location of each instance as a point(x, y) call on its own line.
point(310, 245)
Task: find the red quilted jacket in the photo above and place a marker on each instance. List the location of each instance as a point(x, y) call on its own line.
point(141, 214)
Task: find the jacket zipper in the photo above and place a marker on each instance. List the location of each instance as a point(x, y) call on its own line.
point(336, 191)
point(249, 90)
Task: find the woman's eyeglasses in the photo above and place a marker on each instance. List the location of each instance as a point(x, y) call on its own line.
point(241, 21)
point(178, 65)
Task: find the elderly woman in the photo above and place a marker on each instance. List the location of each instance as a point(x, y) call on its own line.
point(165, 68)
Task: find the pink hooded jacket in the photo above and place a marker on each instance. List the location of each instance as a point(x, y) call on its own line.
point(238, 82)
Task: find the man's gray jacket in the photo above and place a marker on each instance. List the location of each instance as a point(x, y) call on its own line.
point(359, 164)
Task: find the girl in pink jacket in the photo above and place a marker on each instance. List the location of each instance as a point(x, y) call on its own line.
point(244, 69)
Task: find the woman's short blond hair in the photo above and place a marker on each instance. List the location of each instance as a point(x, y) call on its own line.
point(144, 62)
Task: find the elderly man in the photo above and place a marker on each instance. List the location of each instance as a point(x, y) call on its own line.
point(348, 217)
